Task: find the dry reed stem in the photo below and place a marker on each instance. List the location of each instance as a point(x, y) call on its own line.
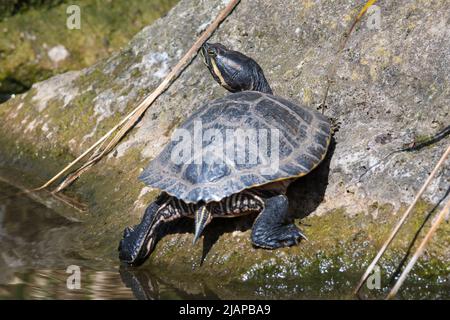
point(444, 212)
point(132, 118)
point(402, 220)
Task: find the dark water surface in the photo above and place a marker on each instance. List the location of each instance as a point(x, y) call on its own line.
point(38, 245)
point(36, 249)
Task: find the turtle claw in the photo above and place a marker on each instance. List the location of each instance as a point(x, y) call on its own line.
point(127, 231)
point(303, 236)
point(290, 235)
point(335, 125)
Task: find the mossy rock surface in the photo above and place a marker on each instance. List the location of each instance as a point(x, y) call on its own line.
point(37, 43)
point(392, 85)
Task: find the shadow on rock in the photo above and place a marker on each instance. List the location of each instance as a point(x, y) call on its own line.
point(307, 193)
point(214, 230)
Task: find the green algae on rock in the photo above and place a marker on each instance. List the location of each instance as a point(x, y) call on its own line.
point(36, 43)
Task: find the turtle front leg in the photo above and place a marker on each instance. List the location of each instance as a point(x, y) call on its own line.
point(272, 228)
point(139, 241)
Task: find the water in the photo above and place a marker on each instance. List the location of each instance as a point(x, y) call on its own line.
point(36, 247)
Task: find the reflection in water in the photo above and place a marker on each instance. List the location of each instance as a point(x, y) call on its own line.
point(28, 232)
point(95, 285)
point(51, 284)
point(36, 247)
point(147, 286)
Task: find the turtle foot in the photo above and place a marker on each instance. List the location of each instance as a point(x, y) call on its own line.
point(271, 229)
point(282, 236)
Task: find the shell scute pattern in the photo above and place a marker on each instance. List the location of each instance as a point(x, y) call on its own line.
point(304, 136)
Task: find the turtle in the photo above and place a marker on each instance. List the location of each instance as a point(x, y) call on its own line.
point(269, 142)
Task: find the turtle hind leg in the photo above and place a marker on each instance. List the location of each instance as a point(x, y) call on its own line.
point(272, 228)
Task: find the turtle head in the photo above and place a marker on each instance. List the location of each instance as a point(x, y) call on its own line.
point(233, 70)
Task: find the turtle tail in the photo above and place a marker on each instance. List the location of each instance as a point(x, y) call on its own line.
point(202, 218)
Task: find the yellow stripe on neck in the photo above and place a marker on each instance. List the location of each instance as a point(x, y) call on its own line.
point(219, 75)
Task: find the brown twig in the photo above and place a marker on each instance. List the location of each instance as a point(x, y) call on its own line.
point(413, 146)
point(444, 212)
point(402, 220)
point(72, 202)
point(132, 118)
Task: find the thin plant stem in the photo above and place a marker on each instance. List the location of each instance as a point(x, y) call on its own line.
point(402, 220)
point(133, 117)
point(441, 216)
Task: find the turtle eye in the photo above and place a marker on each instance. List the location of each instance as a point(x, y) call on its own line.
point(211, 52)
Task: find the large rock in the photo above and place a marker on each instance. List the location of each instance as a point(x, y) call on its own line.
point(391, 87)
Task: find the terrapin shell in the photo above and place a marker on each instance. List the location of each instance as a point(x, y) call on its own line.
point(208, 175)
